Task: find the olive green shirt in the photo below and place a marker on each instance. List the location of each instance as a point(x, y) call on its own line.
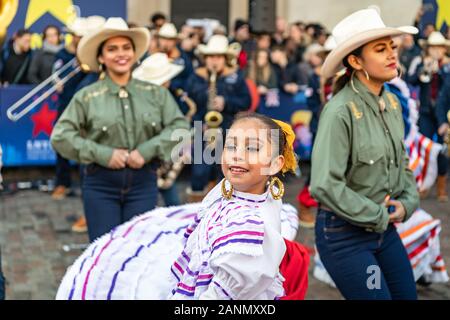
point(359, 158)
point(104, 116)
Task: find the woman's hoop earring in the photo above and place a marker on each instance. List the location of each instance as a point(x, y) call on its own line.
point(352, 83)
point(227, 194)
point(102, 72)
point(280, 187)
point(400, 72)
point(366, 74)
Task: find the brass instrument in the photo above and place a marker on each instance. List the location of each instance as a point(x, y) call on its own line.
point(213, 118)
point(54, 80)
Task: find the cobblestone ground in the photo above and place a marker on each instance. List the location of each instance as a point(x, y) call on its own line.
point(34, 228)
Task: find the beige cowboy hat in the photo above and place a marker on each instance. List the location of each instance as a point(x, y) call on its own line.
point(355, 31)
point(219, 45)
point(157, 69)
point(113, 27)
point(83, 26)
point(168, 31)
point(435, 39)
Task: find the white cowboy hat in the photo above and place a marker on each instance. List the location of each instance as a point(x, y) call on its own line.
point(157, 69)
point(113, 27)
point(312, 49)
point(435, 39)
point(330, 44)
point(219, 45)
point(355, 31)
point(83, 26)
point(168, 31)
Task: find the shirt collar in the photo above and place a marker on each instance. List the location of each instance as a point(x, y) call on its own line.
point(114, 88)
point(371, 99)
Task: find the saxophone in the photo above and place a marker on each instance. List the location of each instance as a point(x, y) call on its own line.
point(213, 118)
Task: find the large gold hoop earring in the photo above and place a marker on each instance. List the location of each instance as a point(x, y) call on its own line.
point(227, 194)
point(366, 74)
point(280, 187)
point(352, 83)
point(102, 72)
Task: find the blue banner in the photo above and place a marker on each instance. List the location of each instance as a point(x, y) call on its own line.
point(292, 109)
point(27, 141)
point(436, 12)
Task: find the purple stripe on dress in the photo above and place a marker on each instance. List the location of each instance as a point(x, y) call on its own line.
point(174, 273)
point(238, 241)
point(223, 290)
point(238, 233)
point(72, 290)
point(245, 222)
point(137, 253)
point(122, 269)
point(250, 200)
point(189, 294)
point(174, 213)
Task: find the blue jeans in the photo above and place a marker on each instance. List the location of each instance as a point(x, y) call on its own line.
point(364, 265)
point(170, 196)
point(112, 197)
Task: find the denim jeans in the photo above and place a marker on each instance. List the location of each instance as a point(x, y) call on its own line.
point(364, 265)
point(112, 197)
point(170, 196)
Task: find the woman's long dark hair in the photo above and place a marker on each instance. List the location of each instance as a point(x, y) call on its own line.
point(341, 81)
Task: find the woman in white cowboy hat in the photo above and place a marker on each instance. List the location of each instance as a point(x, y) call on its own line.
point(227, 94)
point(79, 28)
point(360, 174)
point(168, 42)
point(118, 126)
point(430, 72)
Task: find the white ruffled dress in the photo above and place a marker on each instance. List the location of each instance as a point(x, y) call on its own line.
point(219, 249)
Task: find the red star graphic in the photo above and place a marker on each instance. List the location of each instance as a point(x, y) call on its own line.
point(43, 121)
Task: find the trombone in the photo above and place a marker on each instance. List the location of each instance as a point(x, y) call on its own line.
point(16, 116)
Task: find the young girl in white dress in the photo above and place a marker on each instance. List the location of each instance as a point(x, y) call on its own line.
point(232, 249)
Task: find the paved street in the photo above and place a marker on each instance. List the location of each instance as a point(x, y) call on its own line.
point(34, 228)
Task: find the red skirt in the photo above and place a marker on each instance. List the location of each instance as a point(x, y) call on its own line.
point(294, 268)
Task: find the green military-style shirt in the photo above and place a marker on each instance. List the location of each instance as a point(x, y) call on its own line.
point(104, 116)
point(359, 158)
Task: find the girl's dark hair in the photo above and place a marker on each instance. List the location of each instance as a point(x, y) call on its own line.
point(21, 32)
point(269, 124)
point(340, 82)
point(50, 26)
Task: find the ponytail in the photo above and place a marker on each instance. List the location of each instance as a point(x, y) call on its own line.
point(341, 81)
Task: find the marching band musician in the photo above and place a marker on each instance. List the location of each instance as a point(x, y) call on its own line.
point(159, 70)
point(167, 42)
point(429, 73)
point(231, 96)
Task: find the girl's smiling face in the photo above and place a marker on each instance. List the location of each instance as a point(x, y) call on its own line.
point(251, 155)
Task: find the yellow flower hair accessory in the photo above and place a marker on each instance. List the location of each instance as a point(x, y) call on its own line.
point(290, 158)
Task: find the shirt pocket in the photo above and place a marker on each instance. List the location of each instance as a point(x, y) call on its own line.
point(105, 133)
point(151, 124)
point(369, 168)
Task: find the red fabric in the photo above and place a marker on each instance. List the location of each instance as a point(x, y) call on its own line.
point(304, 197)
point(294, 269)
point(243, 60)
point(253, 94)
